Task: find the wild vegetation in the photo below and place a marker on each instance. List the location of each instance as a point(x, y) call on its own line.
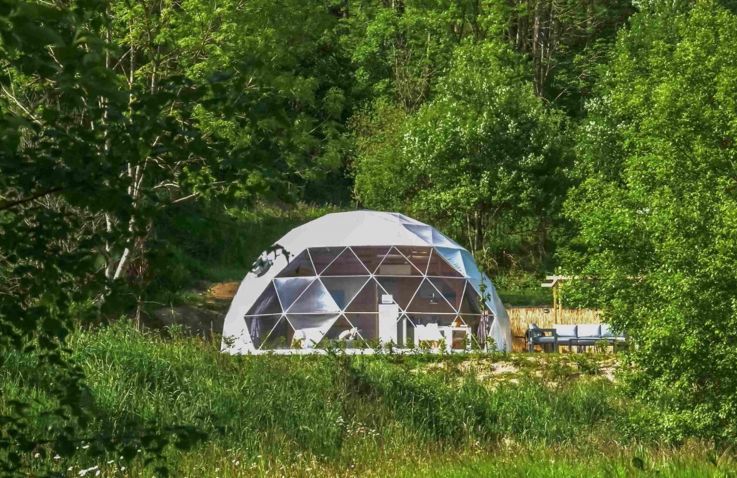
point(150, 147)
point(367, 416)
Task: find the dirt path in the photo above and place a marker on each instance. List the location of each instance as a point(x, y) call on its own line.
point(222, 291)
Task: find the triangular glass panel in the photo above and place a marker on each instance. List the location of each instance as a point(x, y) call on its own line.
point(279, 336)
point(323, 256)
point(475, 345)
point(315, 300)
point(421, 231)
point(470, 303)
point(401, 288)
point(258, 327)
point(347, 264)
point(469, 265)
point(367, 325)
point(267, 303)
point(343, 334)
point(452, 289)
point(343, 289)
point(301, 266)
point(471, 321)
point(439, 239)
point(371, 256)
point(367, 300)
point(309, 329)
point(428, 299)
point(419, 256)
point(439, 267)
point(341, 330)
point(395, 264)
point(290, 288)
point(453, 257)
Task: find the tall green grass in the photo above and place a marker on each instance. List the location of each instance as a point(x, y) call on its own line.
point(346, 416)
point(526, 409)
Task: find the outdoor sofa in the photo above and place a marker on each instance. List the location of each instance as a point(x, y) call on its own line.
point(578, 335)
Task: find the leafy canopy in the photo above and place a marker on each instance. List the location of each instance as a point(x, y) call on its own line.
point(484, 152)
point(656, 210)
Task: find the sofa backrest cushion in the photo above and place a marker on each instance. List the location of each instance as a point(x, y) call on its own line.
point(589, 330)
point(565, 330)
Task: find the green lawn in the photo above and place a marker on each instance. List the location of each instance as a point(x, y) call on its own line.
point(499, 415)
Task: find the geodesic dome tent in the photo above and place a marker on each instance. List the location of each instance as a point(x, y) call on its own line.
point(358, 279)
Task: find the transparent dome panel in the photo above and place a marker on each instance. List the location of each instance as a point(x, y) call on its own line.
point(367, 299)
point(344, 289)
point(395, 264)
point(300, 266)
point(315, 299)
point(418, 256)
point(343, 334)
point(371, 256)
point(367, 325)
point(324, 256)
point(402, 289)
point(290, 288)
point(267, 303)
point(471, 302)
point(309, 329)
point(279, 336)
point(451, 289)
point(429, 299)
point(438, 267)
point(346, 264)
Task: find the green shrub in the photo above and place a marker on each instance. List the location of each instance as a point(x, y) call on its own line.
point(656, 211)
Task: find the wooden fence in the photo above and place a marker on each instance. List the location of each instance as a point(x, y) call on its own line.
point(521, 317)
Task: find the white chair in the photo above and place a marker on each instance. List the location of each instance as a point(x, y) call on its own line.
point(350, 334)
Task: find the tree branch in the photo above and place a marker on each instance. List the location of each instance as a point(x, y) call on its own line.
point(9, 204)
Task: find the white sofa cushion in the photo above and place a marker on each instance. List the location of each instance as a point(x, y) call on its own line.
point(589, 330)
point(565, 330)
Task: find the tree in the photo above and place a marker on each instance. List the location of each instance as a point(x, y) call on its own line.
point(267, 119)
point(74, 135)
point(656, 210)
point(566, 41)
point(402, 48)
point(484, 157)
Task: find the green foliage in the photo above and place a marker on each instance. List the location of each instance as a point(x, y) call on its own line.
point(480, 159)
point(286, 81)
point(197, 242)
point(60, 111)
point(656, 211)
point(457, 412)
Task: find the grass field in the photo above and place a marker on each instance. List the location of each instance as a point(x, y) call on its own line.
point(497, 415)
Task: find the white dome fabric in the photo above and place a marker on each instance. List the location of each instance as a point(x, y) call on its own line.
point(334, 260)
